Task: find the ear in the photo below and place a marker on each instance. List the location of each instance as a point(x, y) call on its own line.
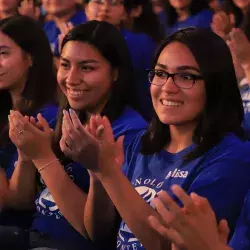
point(115, 74)
point(136, 12)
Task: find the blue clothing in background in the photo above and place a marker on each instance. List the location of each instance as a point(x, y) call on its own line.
point(142, 50)
point(52, 31)
point(202, 19)
point(222, 175)
point(241, 237)
point(48, 218)
point(8, 157)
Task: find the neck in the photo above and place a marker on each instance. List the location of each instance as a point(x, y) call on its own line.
point(15, 98)
point(181, 137)
point(97, 110)
point(65, 16)
point(183, 14)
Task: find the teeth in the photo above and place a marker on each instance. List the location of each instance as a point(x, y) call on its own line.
point(75, 92)
point(171, 103)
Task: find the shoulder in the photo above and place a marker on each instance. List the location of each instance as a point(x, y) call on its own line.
point(49, 25)
point(78, 18)
point(230, 157)
point(128, 121)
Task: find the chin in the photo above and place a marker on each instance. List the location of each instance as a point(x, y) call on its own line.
point(167, 120)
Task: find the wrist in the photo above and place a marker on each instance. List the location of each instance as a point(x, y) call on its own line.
point(43, 160)
point(108, 172)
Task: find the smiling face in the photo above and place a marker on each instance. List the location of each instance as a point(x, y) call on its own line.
point(14, 65)
point(85, 76)
point(173, 105)
point(112, 13)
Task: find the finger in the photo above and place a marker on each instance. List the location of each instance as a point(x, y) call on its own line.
point(169, 202)
point(75, 120)
point(120, 150)
point(64, 148)
point(43, 123)
point(93, 125)
point(12, 131)
point(223, 231)
point(66, 137)
point(166, 216)
point(18, 122)
point(202, 203)
point(108, 131)
point(185, 199)
point(168, 234)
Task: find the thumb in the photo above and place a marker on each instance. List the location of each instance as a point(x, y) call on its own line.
point(223, 230)
point(44, 124)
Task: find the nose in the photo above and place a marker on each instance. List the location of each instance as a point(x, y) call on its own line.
point(73, 77)
point(169, 86)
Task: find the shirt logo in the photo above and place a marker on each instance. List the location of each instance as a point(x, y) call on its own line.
point(177, 173)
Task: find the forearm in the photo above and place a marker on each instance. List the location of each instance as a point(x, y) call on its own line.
point(22, 188)
point(101, 227)
point(132, 208)
point(69, 198)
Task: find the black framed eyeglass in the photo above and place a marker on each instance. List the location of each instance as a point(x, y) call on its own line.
point(182, 80)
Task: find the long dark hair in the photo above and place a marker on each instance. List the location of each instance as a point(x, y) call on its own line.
point(196, 6)
point(41, 84)
point(112, 46)
point(223, 112)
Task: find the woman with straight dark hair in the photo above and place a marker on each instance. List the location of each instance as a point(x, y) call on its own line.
point(195, 140)
point(187, 13)
point(27, 84)
point(96, 77)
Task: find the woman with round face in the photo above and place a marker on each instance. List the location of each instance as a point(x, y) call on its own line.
point(27, 84)
point(95, 76)
point(8, 8)
point(195, 140)
point(118, 13)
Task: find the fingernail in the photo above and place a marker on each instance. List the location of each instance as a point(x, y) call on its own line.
point(64, 112)
point(70, 111)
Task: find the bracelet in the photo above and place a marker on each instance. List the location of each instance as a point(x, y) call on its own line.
point(43, 167)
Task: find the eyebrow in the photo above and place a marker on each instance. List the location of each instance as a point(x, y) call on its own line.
point(184, 67)
point(80, 62)
point(4, 47)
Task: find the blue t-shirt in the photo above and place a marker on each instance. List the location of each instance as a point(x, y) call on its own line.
point(142, 52)
point(52, 31)
point(48, 218)
point(202, 19)
point(222, 175)
point(8, 156)
point(241, 237)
